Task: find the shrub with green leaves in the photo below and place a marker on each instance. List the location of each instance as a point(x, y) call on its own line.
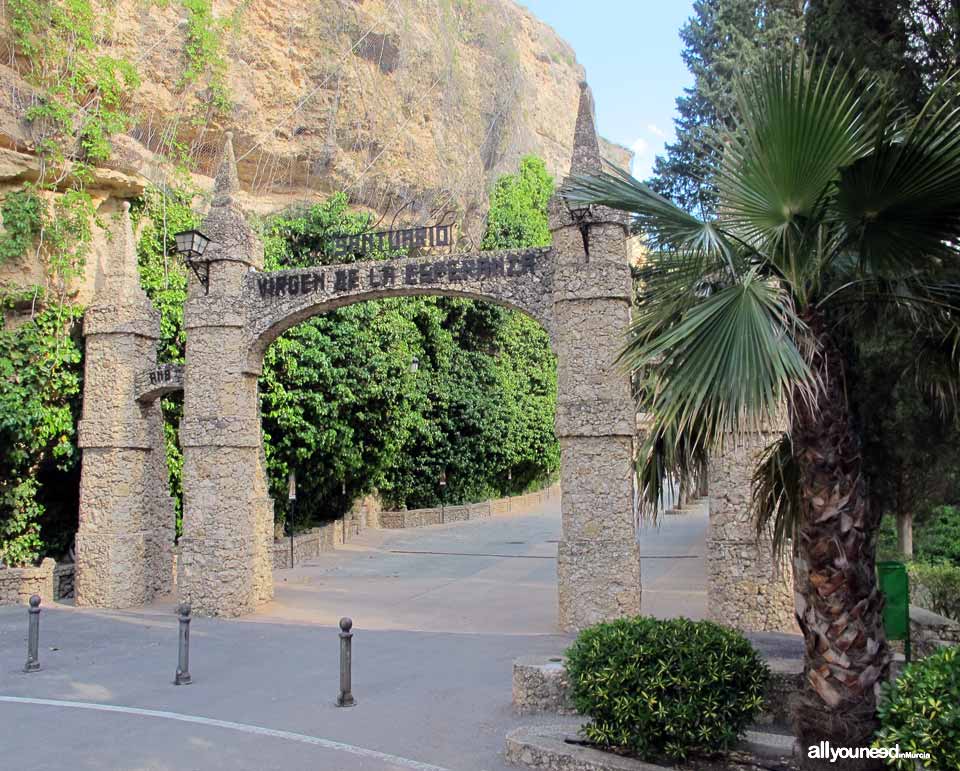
point(670, 689)
point(939, 539)
point(936, 587)
point(920, 712)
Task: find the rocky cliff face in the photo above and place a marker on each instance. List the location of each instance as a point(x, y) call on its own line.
point(411, 106)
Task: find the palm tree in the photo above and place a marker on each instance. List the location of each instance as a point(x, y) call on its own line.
point(832, 205)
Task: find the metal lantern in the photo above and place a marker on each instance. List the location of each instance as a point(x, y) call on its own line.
point(192, 244)
point(414, 364)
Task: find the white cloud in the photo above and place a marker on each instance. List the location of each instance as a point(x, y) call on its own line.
point(642, 158)
point(640, 147)
point(654, 129)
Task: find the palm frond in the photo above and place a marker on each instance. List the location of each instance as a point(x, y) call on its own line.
point(899, 207)
point(664, 459)
point(776, 495)
point(800, 123)
point(666, 224)
point(733, 359)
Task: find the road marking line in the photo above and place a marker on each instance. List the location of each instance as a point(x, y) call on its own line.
point(242, 727)
point(473, 554)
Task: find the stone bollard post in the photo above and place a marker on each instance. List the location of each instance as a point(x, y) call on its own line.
point(33, 635)
point(345, 699)
point(183, 654)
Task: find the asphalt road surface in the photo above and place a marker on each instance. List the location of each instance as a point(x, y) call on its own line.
point(440, 614)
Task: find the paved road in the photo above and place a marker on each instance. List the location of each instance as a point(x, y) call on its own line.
point(440, 615)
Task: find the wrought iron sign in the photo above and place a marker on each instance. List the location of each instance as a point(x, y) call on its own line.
point(387, 274)
point(395, 240)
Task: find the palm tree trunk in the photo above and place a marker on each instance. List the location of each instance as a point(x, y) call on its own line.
point(838, 602)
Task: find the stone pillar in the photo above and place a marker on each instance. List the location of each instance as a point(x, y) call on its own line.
point(225, 566)
point(746, 589)
point(126, 528)
point(598, 559)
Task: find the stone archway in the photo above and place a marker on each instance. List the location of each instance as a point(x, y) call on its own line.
point(579, 290)
point(581, 298)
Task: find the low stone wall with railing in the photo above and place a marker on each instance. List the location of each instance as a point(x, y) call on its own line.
point(307, 545)
point(440, 515)
point(367, 513)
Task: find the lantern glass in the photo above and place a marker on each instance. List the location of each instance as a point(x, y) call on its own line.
point(414, 364)
point(292, 486)
point(191, 243)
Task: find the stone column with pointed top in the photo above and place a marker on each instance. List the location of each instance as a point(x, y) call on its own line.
point(225, 560)
point(126, 527)
point(598, 561)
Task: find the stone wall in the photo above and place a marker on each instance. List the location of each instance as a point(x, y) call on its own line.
point(63, 580)
point(307, 545)
point(930, 631)
point(17, 585)
point(406, 518)
point(745, 589)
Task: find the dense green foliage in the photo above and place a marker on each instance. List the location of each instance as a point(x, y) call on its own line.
point(40, 382)
point(670, 689)
point(22, 212)
point(910, 45)
point(518, 208)
point(337, 394)
point(163, 276)
point(920, 712)
point(939, 541)
point(342, 406)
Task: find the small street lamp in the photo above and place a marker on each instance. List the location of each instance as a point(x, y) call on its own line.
point(292, 497)
point(414, 364)
point(191, 244)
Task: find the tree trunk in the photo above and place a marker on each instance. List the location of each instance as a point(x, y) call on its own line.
point(838, 603)
point(905, 534)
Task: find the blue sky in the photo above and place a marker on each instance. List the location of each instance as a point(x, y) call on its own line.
point(631, 52)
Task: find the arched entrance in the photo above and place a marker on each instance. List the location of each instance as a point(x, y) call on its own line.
point(579, 290)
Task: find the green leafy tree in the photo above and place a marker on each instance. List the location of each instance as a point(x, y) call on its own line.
point(338, 396)
point(909, 45)
point(489, 376)
point(829, 203)
point(40, 382)
point(910, 451)
point(518, 208)
point(721, 39)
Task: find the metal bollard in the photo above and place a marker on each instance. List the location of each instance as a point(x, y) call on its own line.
point(345, 699)
point(183, 655)
point(33, 636)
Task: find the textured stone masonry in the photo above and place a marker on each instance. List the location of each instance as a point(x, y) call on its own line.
point(126, 515)
point(406, 518)
point(579, 290)
point(17, 585)
point(745, 587)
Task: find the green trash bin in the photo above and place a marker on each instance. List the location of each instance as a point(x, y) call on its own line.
point(895, 585)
